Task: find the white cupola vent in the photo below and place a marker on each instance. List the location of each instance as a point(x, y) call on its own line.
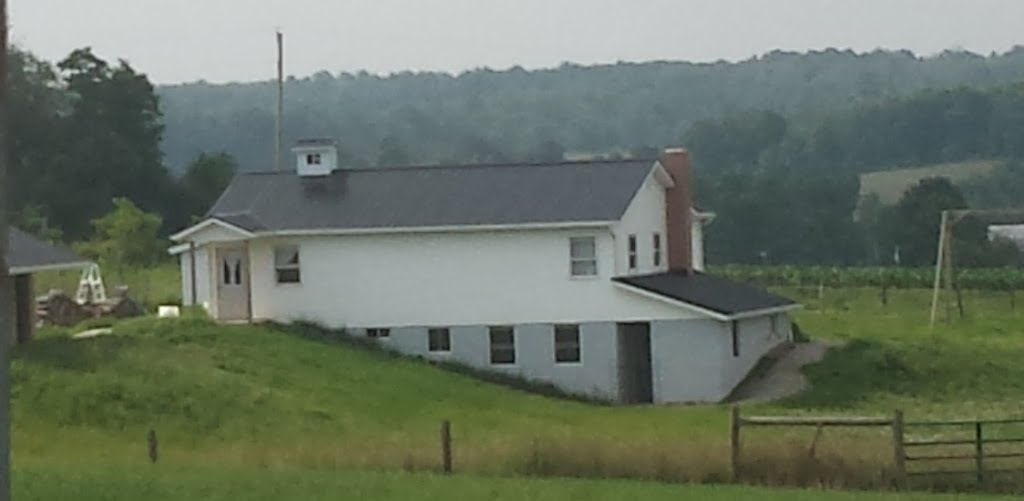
point(315, 157)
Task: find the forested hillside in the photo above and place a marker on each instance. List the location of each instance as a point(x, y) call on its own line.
point(779, 142)
point(488, 115)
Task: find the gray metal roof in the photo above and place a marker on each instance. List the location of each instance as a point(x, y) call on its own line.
point(709, 292)
point(410, 197)
point(26, 254)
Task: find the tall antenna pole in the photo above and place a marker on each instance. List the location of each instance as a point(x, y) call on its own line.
point(6, 285)
point(280, 99)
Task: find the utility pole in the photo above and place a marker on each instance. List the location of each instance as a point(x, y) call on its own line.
point(280, 99)
point(6, 286)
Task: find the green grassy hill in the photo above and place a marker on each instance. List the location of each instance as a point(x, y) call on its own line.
point(889, 185)
point(260, 401)
point(232, 485)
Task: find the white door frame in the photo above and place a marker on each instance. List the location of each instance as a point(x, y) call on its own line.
point(241, 278)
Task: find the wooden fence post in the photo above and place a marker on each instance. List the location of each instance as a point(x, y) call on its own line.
point(151, 439)
point(446, 446)
point(898, 450)
point(979, 452)
point(734, 442)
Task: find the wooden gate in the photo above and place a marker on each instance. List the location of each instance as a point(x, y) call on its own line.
point(980, 448)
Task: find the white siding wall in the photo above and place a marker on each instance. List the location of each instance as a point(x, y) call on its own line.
point(755, 340)
point(203, 281)
point(450, 279)
point(644, 217)
point(594, 375)
point(686, 360)
point(693, 360)
point(697, 244)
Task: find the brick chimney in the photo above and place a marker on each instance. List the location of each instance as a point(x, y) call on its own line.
point(679, 206)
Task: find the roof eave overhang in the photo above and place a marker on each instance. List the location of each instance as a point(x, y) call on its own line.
point(441, 229)
point(211, 221)
point(717, 315)
point(570, 225)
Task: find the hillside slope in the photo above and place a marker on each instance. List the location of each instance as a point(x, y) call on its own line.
point(259, 394)
point(514, 114)
point(889, 185)
point(287, 398)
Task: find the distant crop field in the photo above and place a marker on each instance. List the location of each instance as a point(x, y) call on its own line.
point(889, 185)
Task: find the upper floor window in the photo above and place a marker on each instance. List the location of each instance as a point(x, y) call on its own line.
point(583, 256)
point(656, 241)
point(632, 252)
point(313, 159)
point(286, 264)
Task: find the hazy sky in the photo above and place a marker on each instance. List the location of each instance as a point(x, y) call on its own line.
point(221, 40)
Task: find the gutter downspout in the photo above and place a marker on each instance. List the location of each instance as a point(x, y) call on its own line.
point(192, 271)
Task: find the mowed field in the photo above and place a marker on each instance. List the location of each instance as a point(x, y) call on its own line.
point(889, 185)
point(295, 413)
point(225, 484)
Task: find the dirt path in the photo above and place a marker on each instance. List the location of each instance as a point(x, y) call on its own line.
point(784, 378)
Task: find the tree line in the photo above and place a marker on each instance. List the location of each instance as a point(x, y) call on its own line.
point(89, 139)
point(491, 116)
point(85, 132)
point(786, 193)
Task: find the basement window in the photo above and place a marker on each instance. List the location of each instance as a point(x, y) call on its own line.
point(378, 333)
point(503, 346)
point(567, 343)
point(656, 241)
point(632, 252)
point(583, 257)
point(439, 340)
point(286, 264)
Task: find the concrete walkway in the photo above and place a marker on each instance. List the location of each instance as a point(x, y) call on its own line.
point(784, 378)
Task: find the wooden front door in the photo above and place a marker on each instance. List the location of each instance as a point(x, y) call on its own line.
point(232, 284)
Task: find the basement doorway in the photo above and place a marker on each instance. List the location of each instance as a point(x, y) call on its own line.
point(636, 384)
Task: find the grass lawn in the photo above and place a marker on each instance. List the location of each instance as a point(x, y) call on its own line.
point(150, 286)
point(156, 484)
point(265, 409)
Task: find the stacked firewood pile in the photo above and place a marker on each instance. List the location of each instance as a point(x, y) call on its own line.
point(58, 308)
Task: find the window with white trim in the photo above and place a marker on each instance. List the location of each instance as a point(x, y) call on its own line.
point(656, 242)
point(439, 340)
point(632, 252)
point(567, 343)
point(378, 333)
point(286, 264)
point(583, 256)
point(503, 345)
point(313, 159)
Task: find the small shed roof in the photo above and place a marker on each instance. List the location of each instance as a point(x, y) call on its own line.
point(27, 254)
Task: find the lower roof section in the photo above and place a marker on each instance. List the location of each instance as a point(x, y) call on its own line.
point(723, 298)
